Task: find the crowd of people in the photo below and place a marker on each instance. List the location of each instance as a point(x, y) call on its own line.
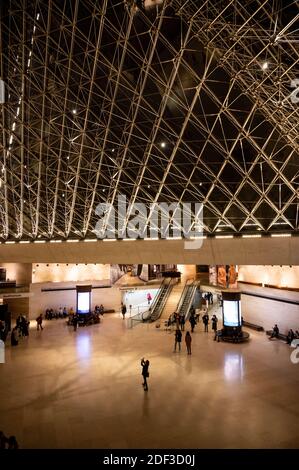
point(51, 313)
point(87, 319)
point(179, 321)
point(21, 328)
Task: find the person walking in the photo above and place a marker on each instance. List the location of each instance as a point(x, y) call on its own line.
point(145, 373)
point(182, 322)
point(149, 298)
point(188, 340)
point(39, 322)
point(192, 321)
point(178, 339)
point(124, 311)
point(214, 326)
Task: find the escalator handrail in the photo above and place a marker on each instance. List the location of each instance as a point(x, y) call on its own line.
point(181, 299)
point(157, 297)
point(193, 291)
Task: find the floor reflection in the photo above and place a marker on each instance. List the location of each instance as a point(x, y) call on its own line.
point(83, 346)
point(233, 366)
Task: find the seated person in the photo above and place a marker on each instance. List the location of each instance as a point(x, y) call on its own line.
point(275, 332)
point(290, 336)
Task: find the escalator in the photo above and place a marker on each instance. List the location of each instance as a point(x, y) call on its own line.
point(157, 306)
point(186, 299)
point(160, 301)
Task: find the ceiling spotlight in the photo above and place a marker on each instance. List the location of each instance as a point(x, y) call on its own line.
point(74, 111)
point(63, 194)
point(163, 145)
point(112, 150)
point(200, 184)
point(265, 65)
point(148, 185)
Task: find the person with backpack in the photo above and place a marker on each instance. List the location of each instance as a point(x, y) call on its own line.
point(178, 339)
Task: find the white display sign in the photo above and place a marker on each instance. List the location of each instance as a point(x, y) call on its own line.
point(83, 302)
point(231, 312)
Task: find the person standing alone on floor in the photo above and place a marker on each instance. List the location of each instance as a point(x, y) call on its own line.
point(75, 322)
point(178, 339)
point(192, 321)
point(39, 322)
point(124, 311)
point(205, 320)
point(214, 326)
point(145, 373)
point(188, 341)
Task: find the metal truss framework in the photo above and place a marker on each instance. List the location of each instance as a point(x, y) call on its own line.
point(175, 101)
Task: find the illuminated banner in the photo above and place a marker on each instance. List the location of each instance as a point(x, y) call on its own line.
point(83, 299)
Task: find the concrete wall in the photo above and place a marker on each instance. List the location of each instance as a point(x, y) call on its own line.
point(57, 272)
point(19, 272)
point(238, 251)
point(267, 312)
point(109, 297)
point(188, 271)
point(281, 276)
point(18, 306)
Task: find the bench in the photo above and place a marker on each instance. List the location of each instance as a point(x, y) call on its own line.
point(280, 335)
point(231, 339)
point(253, 326)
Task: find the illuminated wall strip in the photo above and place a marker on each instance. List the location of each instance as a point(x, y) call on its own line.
point(284, 235)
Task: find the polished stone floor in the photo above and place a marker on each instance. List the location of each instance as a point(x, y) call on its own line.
point(61, 388)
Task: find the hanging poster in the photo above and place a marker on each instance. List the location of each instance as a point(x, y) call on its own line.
point(221, 275)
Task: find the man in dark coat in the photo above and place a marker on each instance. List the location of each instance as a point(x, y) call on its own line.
point(145, 373)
